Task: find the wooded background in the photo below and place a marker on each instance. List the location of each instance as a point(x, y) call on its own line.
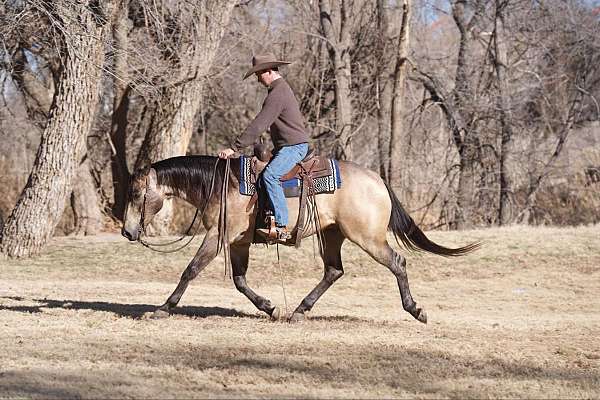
point(477, 112)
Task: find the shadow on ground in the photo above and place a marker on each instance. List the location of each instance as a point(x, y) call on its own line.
point(395, 370)
point(135, 311)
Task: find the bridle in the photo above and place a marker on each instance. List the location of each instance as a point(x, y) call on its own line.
point(142, 227)
point(223, 240)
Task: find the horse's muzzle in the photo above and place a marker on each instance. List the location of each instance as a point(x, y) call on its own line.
point(130, 236)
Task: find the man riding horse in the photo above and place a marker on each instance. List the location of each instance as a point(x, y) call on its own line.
point(280, 115)
point(362, 211)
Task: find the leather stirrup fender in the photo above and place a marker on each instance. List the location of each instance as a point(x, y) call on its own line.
point(252, 201)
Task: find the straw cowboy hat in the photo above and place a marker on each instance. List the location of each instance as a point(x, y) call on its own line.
point(264, 62)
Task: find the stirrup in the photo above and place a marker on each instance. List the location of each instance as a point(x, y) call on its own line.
point(275, 234)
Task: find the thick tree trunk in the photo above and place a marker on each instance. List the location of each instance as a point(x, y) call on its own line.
point(468, 144)
point(118, 134)
point(173, 122)
point(339, 45)
point(42, 202)
point(85, 203)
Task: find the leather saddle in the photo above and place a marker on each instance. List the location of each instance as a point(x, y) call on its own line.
point(311, 167)
point(316, 166)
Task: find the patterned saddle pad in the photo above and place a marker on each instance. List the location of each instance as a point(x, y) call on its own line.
point(291, 188)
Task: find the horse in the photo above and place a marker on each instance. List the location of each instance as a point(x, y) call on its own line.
point(362, 210)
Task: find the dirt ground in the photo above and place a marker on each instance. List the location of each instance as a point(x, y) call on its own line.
point(518, 319)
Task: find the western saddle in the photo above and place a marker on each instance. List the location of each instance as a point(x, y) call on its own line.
point(311, 167)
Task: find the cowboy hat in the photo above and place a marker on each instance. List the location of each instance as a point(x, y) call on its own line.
point(264, 62)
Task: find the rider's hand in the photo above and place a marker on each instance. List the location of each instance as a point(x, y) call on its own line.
point(226, 153)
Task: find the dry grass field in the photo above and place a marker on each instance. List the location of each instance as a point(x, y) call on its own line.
point(518, 319)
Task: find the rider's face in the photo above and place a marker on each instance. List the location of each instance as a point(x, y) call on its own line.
point(264, 77)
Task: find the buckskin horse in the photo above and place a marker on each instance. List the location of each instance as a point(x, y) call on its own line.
point(363, 210)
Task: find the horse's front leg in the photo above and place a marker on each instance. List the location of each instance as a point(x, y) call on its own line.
point(239, 264)
point(206, 253)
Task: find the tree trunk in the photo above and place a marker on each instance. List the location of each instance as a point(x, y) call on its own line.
point(386, 26)
point(118, 134)
point(173, 122)
point(339, 46)
point(384, 92)
point(399, 138)
point(503, 105)
point(85, 203)
point(466, 191)
point(43, 199)
point(468, 144)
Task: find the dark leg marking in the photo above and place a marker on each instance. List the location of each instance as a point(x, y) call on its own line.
point(333, 240)
point(398, 268)
point(206, 253)
point(385, 255)
point(239, 263)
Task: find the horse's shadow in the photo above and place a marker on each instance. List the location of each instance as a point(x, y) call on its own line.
point(134, 311)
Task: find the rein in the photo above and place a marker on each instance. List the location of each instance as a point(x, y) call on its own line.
point(142, 228)
point(223, 237)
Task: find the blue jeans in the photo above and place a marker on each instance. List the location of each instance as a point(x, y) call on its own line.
point(281, 163)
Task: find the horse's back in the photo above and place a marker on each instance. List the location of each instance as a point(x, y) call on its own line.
point(362, 202)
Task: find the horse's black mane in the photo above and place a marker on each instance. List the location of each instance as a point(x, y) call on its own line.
point(194, 174)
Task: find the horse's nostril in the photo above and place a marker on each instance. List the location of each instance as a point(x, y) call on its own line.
point(126, 233)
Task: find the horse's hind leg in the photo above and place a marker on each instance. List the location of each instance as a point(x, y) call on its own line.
point(332, 259)
point(239, 264)
point(384, 254)
point(206, 253)
point(398, 268)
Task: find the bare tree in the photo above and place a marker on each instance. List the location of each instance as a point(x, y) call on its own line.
point(399, 137)
point(387, 26)
point(565, 79)
point(459, 108)
point(83, 28)
point(194, 33)
point(119, 125)
point(484, 129)
point(336, 17)
point(503, 103)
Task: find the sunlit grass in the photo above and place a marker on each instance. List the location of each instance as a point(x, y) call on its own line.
point(518, 318)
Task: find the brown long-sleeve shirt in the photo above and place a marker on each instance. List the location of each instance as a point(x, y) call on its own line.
point(281, 113)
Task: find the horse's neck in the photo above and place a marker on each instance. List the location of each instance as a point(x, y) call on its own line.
point(168, 192)
point(195, 194)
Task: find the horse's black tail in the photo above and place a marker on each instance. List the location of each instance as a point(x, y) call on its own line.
point(406, 231)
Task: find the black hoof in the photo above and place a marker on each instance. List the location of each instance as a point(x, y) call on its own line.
point(421, 315)
point(418, 313)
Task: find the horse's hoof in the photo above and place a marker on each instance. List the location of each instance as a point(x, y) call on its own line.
point(159, 314)
point(297, 317)
point(277, 314)
point(421, 315)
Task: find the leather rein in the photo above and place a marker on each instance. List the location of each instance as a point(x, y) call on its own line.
point(152, 246)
